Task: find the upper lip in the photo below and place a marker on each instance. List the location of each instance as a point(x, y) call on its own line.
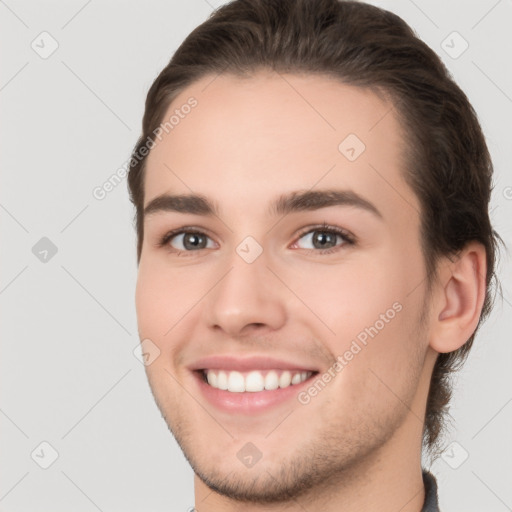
point(231, 363)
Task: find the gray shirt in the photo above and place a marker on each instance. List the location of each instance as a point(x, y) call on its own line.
point(431, 503)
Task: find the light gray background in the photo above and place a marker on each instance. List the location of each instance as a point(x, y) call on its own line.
point(69, 376)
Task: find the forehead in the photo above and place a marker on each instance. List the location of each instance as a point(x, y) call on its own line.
point(272, 133)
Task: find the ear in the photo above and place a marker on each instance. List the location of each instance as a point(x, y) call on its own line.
point(459, 298)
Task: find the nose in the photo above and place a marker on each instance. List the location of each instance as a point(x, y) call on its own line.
point(248, 297)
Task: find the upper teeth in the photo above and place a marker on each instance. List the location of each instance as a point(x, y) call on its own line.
point(256, 380)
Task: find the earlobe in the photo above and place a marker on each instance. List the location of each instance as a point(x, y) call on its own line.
point(460, 299)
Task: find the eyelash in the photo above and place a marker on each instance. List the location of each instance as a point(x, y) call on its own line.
point(347, 238)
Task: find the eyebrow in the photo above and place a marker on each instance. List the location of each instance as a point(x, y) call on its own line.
point(297, 201)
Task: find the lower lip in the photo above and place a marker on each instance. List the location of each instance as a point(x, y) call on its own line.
point(249, 402)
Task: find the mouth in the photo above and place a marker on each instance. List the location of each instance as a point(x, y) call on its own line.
point(250, 385)
point(254, 381)
point(253, 392)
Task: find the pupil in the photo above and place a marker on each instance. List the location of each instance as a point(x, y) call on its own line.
point(323, 238)
point(193, 240)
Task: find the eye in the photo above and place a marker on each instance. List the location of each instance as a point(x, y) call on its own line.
point(324, 239)
point(187, 240)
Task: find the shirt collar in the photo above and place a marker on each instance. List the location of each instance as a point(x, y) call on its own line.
point(431, 503)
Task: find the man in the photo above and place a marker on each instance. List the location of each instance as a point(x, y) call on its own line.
point(315, 254)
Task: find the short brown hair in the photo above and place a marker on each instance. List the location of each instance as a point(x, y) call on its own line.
point(449, 166)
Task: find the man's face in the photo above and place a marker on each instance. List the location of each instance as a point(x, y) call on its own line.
point(260, 295)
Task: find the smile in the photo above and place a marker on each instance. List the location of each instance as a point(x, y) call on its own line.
point(255, 380)
point(251, 385)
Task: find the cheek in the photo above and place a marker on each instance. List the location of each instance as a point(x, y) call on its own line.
point(167, 305)
point(158, 306)
point(156, 300)
point(149, 303)
point(350, 296)
point(368, 304)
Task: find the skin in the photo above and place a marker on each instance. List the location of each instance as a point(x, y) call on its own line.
point(357, 444)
